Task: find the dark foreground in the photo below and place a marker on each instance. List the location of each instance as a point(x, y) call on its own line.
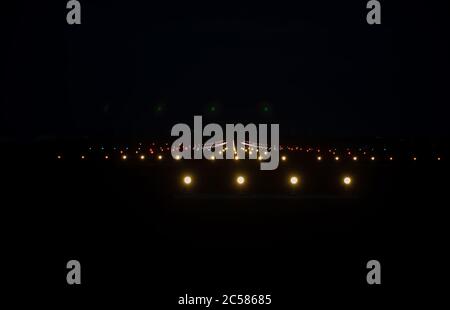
point(140, 235)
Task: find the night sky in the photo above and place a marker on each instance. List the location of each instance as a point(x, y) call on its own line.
point(135, 69)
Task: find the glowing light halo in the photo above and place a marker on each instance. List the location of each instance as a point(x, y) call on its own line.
point(187, 180)
point(294, 180)
point(240, 180)
point(347, 180)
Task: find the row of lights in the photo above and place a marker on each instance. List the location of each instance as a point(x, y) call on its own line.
point(240, 180)
point(283, 158)
point(248, 149)
point(355, 158)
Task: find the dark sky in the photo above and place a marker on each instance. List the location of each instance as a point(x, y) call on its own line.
point(137, 69)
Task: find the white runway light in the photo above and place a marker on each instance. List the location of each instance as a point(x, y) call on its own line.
point(187, 180)
point(294, 180)
point(347, 180)
point(240, 180)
